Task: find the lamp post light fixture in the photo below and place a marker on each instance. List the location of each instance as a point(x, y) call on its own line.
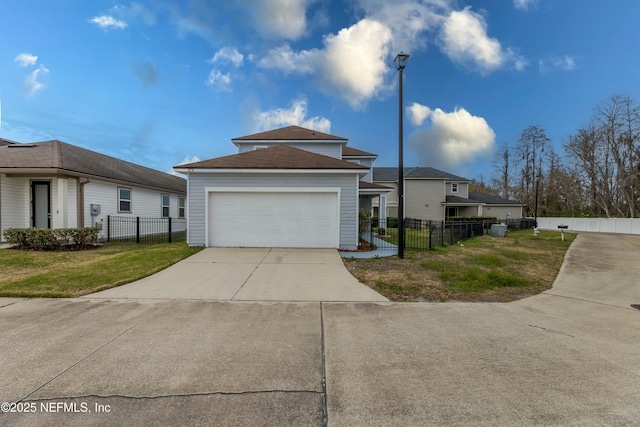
point(401, 62)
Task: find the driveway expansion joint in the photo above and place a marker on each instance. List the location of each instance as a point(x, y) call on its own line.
point(325, 417)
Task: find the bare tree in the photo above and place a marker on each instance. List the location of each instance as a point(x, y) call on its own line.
point(531, 145)
point(502, 180)
point(606, 155)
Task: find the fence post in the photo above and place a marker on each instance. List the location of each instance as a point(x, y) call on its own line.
point(169, 229)
point(137, 229)
point(108, 228)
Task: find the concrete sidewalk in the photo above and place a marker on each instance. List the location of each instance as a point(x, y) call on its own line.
point(251, 274)
point(569, 356)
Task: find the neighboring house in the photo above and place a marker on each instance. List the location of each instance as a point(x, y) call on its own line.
point(433, 194)
point(288, 187)
point(53, 184)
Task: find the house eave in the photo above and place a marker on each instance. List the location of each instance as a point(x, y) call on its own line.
point(62, 173)
point(288, 141)
point(361, 172)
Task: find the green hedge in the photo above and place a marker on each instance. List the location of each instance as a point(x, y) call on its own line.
point(472, 218)
point(47, 239)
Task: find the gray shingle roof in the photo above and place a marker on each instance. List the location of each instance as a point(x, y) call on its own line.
point(461, 200)
point(275, 157)
point(290, 133)
point(489, 199)
point(391, 174)
point(60, 157)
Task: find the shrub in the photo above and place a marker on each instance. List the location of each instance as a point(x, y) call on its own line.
point(46, 239)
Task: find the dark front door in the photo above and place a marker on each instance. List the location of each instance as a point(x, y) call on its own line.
point(41, 204)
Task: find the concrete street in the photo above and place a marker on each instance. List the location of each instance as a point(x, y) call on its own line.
point(570, 356)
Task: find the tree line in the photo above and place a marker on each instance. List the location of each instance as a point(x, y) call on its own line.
point(597, 176)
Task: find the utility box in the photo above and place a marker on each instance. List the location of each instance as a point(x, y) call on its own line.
point(499, 230)
point(95, 209)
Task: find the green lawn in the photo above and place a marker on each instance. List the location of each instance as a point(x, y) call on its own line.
point(74, 273)
point(484, 268)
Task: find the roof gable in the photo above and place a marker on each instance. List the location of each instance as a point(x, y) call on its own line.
point(73, 160)
point(290, 133)
point(275, 157)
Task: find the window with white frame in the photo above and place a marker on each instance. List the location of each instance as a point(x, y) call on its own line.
point(454, 187)
point(124, 199)
point(165, 205)
point(180, 207)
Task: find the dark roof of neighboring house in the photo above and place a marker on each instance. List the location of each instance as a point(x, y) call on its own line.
point(373, 186)
point(354, 152)
point(290, 133)
point(6, 142)
point(479, 198)
point(493, 200)
point(461, 200)
point(391, 174)
point(275, 157)
point(71, 160)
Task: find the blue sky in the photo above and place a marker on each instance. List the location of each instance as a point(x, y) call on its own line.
point(163, 82)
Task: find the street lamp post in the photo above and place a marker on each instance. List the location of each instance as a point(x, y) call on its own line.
point(401, 62)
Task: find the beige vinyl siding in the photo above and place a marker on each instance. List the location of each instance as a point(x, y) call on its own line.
point(500, 212)
point(468, 211)
point(424, 198)
point(392, 199)
point(199, 181)
point(463, 189)
point(330, 149)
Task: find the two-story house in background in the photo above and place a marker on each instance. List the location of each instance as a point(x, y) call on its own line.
point(436, 195)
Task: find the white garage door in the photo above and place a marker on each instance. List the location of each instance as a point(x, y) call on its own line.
point(273, 219)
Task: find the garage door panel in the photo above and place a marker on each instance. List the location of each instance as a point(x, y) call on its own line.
point(278, 219)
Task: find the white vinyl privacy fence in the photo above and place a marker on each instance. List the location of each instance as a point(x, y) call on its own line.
point(597, 225)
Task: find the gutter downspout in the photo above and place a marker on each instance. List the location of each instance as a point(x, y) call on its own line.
point(81, 185)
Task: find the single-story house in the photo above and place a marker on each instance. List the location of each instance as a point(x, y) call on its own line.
point(433, 194)
point(288, 187)
point(53, 184)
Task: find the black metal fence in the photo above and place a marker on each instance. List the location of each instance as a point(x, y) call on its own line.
point(146, 230)
point(423, 234)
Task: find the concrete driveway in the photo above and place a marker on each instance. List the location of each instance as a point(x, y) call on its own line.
point(251, 274)
point(570, 356)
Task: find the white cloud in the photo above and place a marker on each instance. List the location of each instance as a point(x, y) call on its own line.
point(32, 83)
point(26, 59)
point(227, 54)
point(565, 62)
point(295, 115)
point(408, 20)
point(418, 113)
point(186, 160)
point(219, 81)
point(465, 41)
point(106, 21)
point(288, 61)
point(279, 19)
point(352, 65)
point(524, 4)
point(453, 139)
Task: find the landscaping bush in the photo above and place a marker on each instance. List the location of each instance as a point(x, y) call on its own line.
point(47, 239)
point(472, 218)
